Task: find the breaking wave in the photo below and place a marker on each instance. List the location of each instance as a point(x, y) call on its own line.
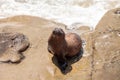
point(69, 12)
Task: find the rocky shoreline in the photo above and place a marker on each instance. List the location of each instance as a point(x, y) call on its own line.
point(100, 61)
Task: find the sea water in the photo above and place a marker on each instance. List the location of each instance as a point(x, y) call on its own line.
point(69, 12)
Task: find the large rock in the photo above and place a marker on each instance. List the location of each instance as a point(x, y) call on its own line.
point(106, 54)
point(37, 64)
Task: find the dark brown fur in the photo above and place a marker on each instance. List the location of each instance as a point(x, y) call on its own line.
point(62, 45)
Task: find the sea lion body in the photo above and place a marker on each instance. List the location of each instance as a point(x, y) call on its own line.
point(74, 44)
point(60, 43)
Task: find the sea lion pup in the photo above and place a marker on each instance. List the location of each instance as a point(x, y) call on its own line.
point(63, 45)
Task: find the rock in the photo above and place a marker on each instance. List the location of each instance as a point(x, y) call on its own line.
point(109, 22)
point(78, 26)
point(106, 52)
point(38, 63)
point(11, 46)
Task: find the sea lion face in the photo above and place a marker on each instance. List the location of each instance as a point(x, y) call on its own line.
point(58, 33)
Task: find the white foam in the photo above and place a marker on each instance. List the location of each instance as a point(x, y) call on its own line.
point(86, 12)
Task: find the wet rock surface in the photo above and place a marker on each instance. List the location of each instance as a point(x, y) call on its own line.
point(11, 46)
point(101, 50)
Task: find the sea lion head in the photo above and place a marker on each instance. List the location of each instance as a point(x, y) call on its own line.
point(56, 41)
point(58, 33)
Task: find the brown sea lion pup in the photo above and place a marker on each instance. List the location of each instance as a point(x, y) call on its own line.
point(63, 45)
